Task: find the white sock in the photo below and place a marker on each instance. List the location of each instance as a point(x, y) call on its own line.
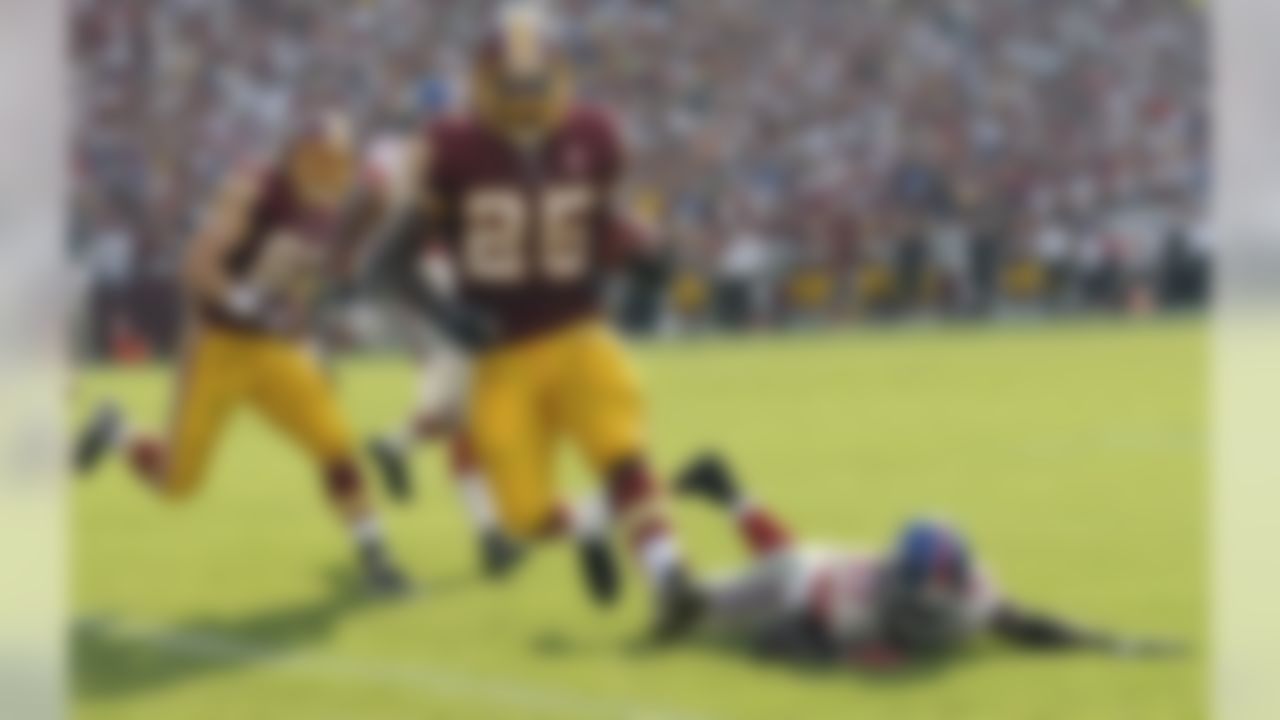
point(590, 517)
point(659, 556)
point(366, 530)
point(475, 497)
point(742, 506)
point(404, 437)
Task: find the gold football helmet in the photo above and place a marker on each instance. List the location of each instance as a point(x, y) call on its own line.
point(321, 162)
point(520, 81)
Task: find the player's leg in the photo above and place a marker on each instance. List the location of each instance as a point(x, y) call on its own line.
point(435, 416)
point(745, 601)
point(290, 389)
point(210, 382)
point(711, 479)
point(514, 433)
point(762, 605)
point(601, 408)
point(499, 554)
point(512, 441)
point(391, 451)
point(586, 523)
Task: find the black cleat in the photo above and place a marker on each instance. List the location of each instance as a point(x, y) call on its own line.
point(680, 607)
point(381, 576)
point(97, 437)
point(599, 570)
point(499, 554)
point(709, 478)
point(393, 468)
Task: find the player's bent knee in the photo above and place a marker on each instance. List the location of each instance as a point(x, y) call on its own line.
point(628, 477)
point(342, 480)
point(616, 458)
point(612, 442)
point(178, 487)
point(334, 447)
point(175, 478)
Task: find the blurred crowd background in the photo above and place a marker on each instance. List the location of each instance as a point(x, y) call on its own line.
point(811, 161)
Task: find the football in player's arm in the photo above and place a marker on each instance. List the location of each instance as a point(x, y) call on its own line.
point(254, 273)
point(922, 600)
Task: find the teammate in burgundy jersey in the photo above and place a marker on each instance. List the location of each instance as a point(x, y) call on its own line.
point(923, 598)
point(253, 276)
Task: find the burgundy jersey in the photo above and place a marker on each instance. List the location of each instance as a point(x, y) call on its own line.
point(529, 229)
point(283, 252)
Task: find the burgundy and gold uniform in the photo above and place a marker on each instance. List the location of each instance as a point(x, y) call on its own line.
point(530, 228)
point(252, 278)
point(532, 232)
point(230, 360)
point(519, 194)
point(284, 249)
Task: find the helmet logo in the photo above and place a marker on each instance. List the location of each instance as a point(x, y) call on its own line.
point(522, 40)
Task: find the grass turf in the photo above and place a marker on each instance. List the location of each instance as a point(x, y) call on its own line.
point(1074, 455)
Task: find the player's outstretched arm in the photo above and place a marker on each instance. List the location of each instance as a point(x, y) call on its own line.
point(1041, 631)
point(1038, 630)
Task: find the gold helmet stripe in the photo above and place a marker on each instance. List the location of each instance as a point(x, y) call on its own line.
point(523, 28)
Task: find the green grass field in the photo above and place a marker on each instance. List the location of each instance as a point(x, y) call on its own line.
point(1074, 455)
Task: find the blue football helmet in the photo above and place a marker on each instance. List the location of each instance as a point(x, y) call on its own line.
point(927, 579)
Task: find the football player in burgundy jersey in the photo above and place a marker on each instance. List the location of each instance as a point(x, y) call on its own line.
point(519, 192)
point(255, 271)
point(922, 599)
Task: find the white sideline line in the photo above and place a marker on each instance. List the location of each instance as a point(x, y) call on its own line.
point(419, 678)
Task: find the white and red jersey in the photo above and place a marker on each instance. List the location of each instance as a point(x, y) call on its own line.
point(838, 587)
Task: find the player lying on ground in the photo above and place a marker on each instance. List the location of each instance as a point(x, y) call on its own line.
point(252, 278)
point(518, 193)
point(922, 599)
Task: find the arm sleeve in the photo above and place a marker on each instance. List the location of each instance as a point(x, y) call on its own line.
point(1037, 630)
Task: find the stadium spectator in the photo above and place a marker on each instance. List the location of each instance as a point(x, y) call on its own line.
point(813, 116)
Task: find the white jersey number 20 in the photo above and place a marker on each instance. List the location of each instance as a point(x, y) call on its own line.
point(499, 231)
